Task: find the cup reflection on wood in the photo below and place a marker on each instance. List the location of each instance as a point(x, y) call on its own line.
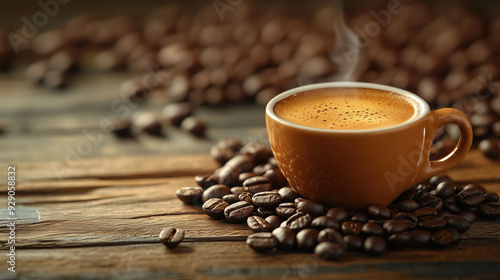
point(356, 167)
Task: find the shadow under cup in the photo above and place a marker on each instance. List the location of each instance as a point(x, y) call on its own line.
point(354, 168)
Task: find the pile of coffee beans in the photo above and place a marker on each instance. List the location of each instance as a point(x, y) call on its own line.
point(249, 188)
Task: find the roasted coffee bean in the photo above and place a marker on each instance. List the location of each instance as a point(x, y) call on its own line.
point(322, 222)
point(309, 206)
point(267, 199)
point(122, 128)
point(468, 215)
point(407, 206)
point(231, 198)
point(369, 229)
point(190, 195)
point(228, 175)
point(216, 191)
point(36, 71)
point(214, 208)
point(451, 205)
point(445, 189)
point(469, 198)
point(261, 169)
point(491, 197)
point(375, 245)
point(360, 217)
point(398, 241)
point(245, 196)
point(245, 175)
point(444, 213)
point(421, 194)
point(376, 221)
point(350, 227)
point(257, 184)
point(353, 242)
point(435, 180)
point(259, 152)
point(490, 148)
point(175, 113)
point(258, 224)
point(206, 181)
point(286, 238)
point(134, 91)
point(328, 251)
point(419, 238)
point(424, 187)
point(288, 194)
point(307, 239)
point(262, 242)
point(410, 219)
point(490, 210)
point(225, 150)
point(457, 222)
point(55, 79)
point(425, 211)
point(407, 195)
point(442, 238)
point(146, 122)
point(432, 201)
point(431, 223)
point(243, 162)
point(456, 235)
point(496, 126)
point(478, 187)
point(238, 212)
point(274, 221)
point(299, 221)
point(338, 213)
point(285, 210)
point(171, 237)
point(277, 178)
point(395, 226)
point(378, 211)
point(265, 212)
point(194, 125)
point(330, 235)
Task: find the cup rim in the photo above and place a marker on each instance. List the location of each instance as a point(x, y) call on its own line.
point(349, 84)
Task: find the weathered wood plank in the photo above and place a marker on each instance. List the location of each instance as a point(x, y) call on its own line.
point(473, 167)
point(227, 260)
point(110, 168)
point(131, 211)
point(49, 147)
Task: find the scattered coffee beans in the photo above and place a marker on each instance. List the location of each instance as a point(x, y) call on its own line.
point(432, 214)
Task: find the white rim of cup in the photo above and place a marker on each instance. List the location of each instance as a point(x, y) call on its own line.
point(270, 105)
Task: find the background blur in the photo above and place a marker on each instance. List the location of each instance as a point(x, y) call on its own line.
point(70, 67)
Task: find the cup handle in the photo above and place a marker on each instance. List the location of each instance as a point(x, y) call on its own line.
point(438, 119)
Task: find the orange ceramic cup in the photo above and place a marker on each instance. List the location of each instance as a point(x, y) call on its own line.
point(356, 168)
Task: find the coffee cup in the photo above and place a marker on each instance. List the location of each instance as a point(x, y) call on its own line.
point(354, 144)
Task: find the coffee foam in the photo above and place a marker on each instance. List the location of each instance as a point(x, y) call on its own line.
point(346, 108)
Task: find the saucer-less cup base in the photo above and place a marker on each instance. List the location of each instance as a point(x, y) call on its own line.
point(356, 168)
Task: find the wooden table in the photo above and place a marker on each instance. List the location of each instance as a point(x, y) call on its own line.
point(98, 215)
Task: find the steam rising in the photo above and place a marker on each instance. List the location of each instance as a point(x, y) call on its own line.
point(347, 48)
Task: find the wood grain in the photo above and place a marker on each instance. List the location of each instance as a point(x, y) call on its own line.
point(101, 220)
point(228, 260)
